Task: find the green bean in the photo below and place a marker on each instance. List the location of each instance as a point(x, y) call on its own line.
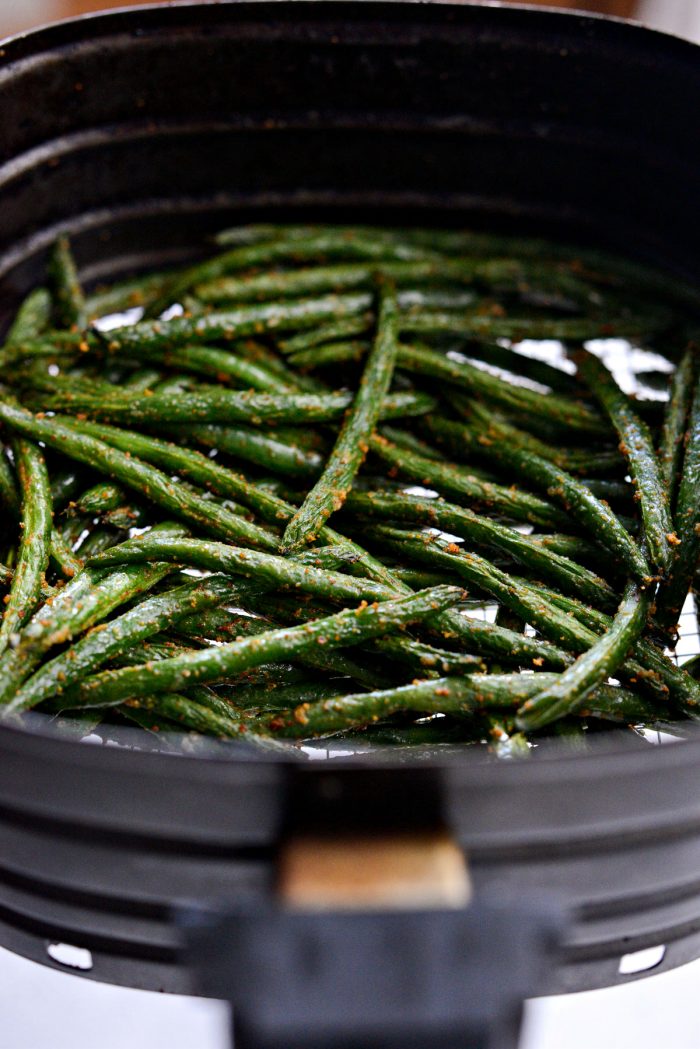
point(50, 348)
point(351, 446)
point(572, 257)
point(158, 646)
point(258, 353)
point(318, 279)
point(413, 652)
point(591, 513)
point(419, 578)
point(674, 590)
point(99, 539)
point(512, 503)
point(675, 423)
point(99, 499)
point(592, 668)
point(155, 724)
point(490, 534)
point(291, 315)
point(104, 641)
point(60, 434)
point(570, 546)
point(211, 475)
point(191, 715)
point(268, 449)
point(483, 637)
point(32, 318)
point(62, 554)
point(610, 491)
point(343, 328)
point(220, 624)
point(333, 715)
point(287, 613)
point(346, 628)
point(478, 325)
point(460, 696)
point(329, 353)
point(620, 704)
point(86, 600)
point(248, 563)
point(255, 232)
point(507, 618)
point(424, 658)
point(637, 446)
point(323, 244)
point(69, 301)
point(514, 361)
point(35, 539)
point(65, 486)
point(73, 528)
point(276, 642)
point(525, 601)
point(191, 464)
point(588, 461)
point(649, 667)
point(134, 292)
point(560, 259)
point(573, 414)
point(412, 443)
point(256, 701)
point(9, 496)
point(222, 365)
point(212, 405)
point(142, 379)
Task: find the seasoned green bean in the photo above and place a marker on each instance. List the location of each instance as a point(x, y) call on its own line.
point(35, 540)
point(32, 318)
point(212, 405)
point(588, 511)
point(103, 642)
point(463, 484)
point(141, 477)
point(343, 328)
point(85, 601)
point(592, 668)
point(461, 696)
point(69, 300)
point(352, 444)
point(487, 533)
point(674, 589)
point(675, 423)
point(637, 446)
point(573, 414)
point(9, 496)
point(293, 315)
point(350, 627)
point(240, 561)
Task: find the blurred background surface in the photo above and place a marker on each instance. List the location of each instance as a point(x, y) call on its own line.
point(675, 16)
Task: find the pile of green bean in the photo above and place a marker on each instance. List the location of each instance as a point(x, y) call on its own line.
point(340, 482)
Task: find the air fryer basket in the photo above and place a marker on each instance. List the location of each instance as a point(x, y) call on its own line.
point(139, 131)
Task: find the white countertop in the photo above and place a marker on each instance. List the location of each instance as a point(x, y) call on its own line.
point(41, 1008)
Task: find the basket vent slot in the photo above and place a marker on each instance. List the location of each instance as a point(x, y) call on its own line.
point(69, 956)
point(642, 961)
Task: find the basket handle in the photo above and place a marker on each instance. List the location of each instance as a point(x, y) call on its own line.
point(372, 942)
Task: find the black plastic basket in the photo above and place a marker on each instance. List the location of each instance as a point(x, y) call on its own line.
point(139, 131)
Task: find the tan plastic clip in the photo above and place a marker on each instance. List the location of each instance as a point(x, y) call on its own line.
point(400, 872)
